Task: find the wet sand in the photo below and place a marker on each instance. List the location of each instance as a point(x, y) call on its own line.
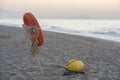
point(17, 62)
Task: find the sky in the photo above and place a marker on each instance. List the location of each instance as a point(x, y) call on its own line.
point(64, 8)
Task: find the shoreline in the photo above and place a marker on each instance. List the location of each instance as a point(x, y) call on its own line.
point(109, 40)
point(100, 56)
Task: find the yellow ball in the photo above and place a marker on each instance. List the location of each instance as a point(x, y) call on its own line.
point(75, 65)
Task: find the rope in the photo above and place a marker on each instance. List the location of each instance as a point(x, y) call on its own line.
point(31, 30)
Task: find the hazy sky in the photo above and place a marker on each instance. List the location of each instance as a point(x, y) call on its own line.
point(64, 7)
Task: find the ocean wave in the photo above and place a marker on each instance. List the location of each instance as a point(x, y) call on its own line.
point(99, 29)
point(60, 29)
point(112, 33)
point(10, 24)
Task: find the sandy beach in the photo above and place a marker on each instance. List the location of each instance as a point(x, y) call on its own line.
point(102, 57)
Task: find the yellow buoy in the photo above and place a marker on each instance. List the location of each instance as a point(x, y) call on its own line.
point(75, 65)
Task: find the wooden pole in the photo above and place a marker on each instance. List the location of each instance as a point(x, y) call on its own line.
point(34, 48)
point(39, 64)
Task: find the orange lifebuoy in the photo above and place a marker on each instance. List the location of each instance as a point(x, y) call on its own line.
point(29, 20)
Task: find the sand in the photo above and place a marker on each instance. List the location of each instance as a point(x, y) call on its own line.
point(102, 57)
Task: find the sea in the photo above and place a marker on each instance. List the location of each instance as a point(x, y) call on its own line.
point(108, 29)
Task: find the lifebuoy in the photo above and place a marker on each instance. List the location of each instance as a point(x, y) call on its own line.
point(30, 20)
